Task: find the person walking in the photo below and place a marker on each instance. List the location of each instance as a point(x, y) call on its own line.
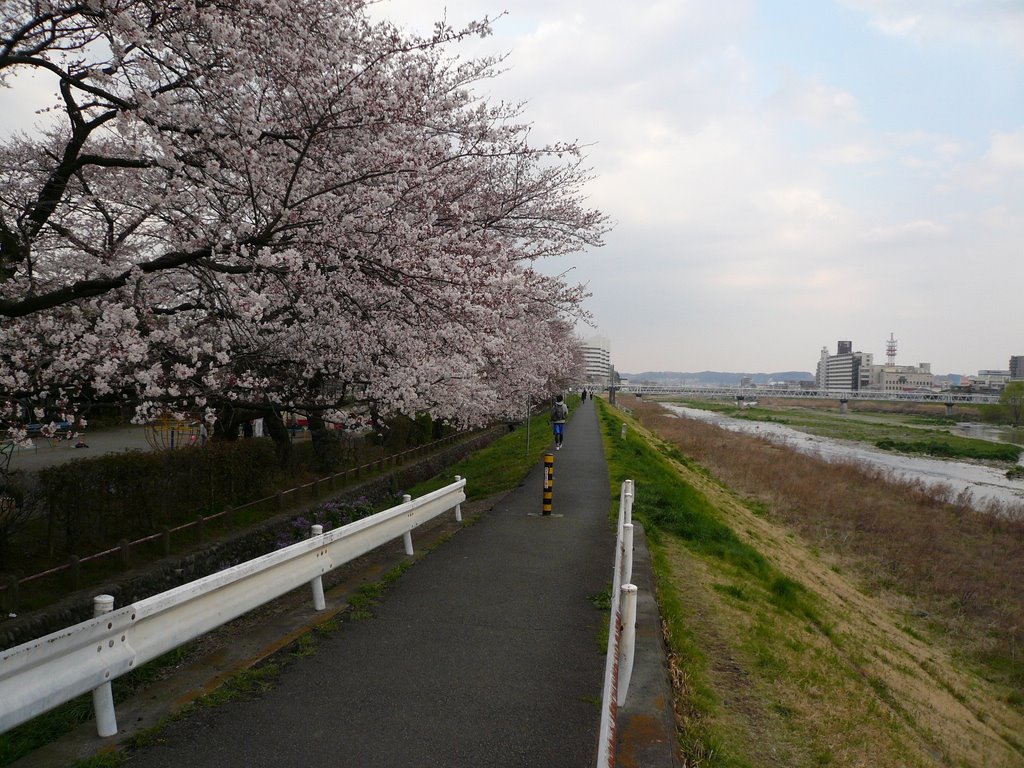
point(559, 413)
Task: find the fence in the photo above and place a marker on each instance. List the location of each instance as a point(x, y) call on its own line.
point(72, 569)
point(42, 674)
point(621, 631)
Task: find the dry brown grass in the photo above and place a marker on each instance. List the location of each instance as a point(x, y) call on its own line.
point(961, 567)
point(865, 683)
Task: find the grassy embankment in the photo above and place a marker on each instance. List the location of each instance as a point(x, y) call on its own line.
point(819, 616)
point(923, 430)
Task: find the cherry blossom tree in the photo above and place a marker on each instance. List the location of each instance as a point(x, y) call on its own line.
point(255, 206)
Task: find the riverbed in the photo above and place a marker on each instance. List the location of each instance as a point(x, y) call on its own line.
point(983, 483)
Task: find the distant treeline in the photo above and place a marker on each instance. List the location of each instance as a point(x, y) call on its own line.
point(716, 378)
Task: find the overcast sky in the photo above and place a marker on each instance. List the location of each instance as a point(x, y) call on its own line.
point(782, 174)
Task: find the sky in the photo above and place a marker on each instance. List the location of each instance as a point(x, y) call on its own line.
point(781, 175)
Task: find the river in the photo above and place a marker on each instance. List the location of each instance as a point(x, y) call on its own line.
point(984, 483)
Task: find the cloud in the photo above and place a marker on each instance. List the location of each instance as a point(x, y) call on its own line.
point(1007, 151)
point(809, 99)
point(853, 154)
point(982, 23)
point(906, 233)
point(802, 203)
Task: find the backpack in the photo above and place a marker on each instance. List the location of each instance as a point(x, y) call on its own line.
point(559, 411)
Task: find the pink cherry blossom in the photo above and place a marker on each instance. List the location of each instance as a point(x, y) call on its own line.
point(263, 207)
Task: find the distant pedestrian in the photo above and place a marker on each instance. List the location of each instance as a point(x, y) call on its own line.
point(583, 397)
point(559, 413)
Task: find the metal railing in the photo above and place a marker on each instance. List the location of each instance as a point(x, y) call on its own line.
point(621, 630)
point(10, 587)
point(44, 673)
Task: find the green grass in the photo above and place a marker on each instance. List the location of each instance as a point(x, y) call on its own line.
point(29, 736)
point(668, 506)
point(103, 760)
point(906, 433)
point(503, 464)
point(953, 447)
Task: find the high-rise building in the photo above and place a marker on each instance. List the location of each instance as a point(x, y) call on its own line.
point(1016, 367)
point(597, 354)
point(845, 370)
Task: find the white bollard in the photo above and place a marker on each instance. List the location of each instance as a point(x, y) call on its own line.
point(317, 584)
point(627, 516)
point(627, 645)
point(458, 507)
point(407, 536)
point(103, 697)
point(623, 435)
point(627, 554)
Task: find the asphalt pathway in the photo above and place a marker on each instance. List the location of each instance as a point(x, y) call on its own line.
point(43, 453)
point(488, 652)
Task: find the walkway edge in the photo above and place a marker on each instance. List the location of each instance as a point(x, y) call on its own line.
point(646, 730)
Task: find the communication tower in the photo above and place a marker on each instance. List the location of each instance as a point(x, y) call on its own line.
point(890, 349)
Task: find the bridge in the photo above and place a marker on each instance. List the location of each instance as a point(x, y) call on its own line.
point(844, 396)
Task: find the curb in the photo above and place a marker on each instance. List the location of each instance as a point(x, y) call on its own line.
point(646, 728)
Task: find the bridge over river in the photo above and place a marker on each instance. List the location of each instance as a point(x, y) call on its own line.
point(844, 396)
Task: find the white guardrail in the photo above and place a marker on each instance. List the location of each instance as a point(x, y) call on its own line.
point(42, 674)
point(621, 630)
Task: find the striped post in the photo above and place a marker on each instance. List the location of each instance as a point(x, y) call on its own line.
point(549, 481)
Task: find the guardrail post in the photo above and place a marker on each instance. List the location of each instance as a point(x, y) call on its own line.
point(627, 553)
point(627, 645)
point(103, 697)
point(407, 536)
point(627, 511)
point(319, 603)
point(458, 507)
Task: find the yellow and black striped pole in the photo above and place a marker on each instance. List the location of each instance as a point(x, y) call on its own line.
point(549, 481)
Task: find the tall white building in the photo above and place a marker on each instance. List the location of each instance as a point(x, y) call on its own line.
point(845, 370)
point(597, 354)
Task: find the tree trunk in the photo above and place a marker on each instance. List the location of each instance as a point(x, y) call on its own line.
point(274, 427)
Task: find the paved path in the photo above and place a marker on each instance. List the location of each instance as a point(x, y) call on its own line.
point(488, 652)
point(44, 454)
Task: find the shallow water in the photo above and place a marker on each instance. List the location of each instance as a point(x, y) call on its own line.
point(983, 483)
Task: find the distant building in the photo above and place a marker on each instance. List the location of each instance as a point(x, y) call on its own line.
point(901, 378)
point(1016, 367)
point(993, 379)
point(597, 355)
point(845, 370)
